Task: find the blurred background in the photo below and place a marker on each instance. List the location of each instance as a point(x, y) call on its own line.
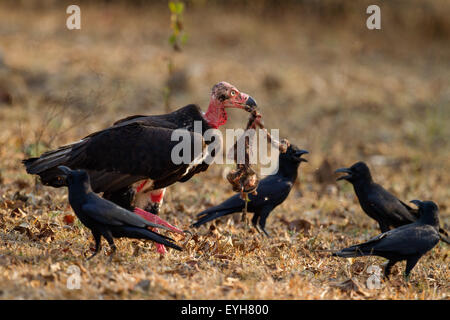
point(331, 86)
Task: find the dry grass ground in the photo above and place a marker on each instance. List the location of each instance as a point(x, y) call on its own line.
point(338, 90)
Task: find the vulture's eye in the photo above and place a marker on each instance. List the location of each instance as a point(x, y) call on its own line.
point(233, 93)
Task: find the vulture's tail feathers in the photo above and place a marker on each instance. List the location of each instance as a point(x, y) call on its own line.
point(46, 166)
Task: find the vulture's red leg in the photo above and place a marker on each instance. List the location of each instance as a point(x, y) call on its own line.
point(151, 202)
point(155, 219)
point(156, 199)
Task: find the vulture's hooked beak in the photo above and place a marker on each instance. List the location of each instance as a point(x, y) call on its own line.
point(344, 170)
point(250, 104)
point(242, 101)
point(299, 154)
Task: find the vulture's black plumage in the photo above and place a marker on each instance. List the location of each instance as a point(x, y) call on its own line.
point(138, 148)
point(133, 149)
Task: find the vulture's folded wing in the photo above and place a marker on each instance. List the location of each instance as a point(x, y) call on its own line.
point(123, 155)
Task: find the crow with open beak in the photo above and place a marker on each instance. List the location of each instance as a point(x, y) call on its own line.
point(271, 192)
point(377, 202)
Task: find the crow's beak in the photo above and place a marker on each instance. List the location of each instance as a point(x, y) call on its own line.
point(62, 178)
point(65, 170)
point(299, 154)
point(416, 202)
point(344, 170)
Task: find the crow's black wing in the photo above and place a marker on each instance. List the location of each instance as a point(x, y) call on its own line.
point(232, 204)
point(409, 240)
point(388, 208)
point(414, 212)
point(406, 240)
point(107, 213)
point(271, 190)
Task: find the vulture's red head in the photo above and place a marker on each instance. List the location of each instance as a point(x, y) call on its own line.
point(225, 95)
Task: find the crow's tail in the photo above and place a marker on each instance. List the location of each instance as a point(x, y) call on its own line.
point(140, 233)
point(205, 217)
point(352, 252)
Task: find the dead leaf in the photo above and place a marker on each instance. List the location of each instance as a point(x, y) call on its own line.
point(24, 228)
point(357, 267)
point(222, 257)
point(192, 262)
point(4, 260)
point(46, 233)
point(19, 196)
point(55, 267)
point(22, 184)
point(69, 219)
point(17, 212)
point(351, 285)
point(143, 285)
point(297, 225)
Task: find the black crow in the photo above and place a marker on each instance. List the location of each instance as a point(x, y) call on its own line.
point(408, 242)
point(271, 192)
point(377, 202)
point(105, 218)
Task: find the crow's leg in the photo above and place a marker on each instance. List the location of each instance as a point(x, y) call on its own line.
point(387, 269)
point(383, 226)
point(108, 236)
point(98, 239)
point(410, 263)
point(262, 219)
point(255, 221)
